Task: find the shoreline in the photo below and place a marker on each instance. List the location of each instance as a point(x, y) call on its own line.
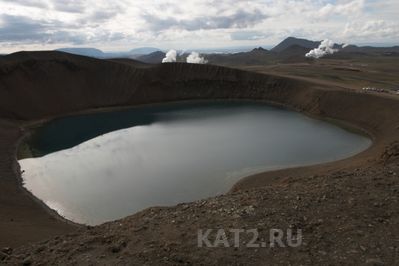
point(18, 174)
point(243, 183)
point(24, 221)
point(36, 124)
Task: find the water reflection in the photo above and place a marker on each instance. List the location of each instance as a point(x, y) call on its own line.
point(174, 153)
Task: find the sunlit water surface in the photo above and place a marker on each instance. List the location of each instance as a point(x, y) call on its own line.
point(91, 171)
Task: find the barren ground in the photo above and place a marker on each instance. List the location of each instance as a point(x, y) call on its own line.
point(347, 210)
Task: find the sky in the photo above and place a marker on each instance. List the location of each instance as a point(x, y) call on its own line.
point(120, 25)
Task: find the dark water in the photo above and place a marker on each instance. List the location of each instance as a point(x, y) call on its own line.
point(100, 167)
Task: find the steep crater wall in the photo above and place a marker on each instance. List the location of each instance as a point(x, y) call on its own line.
point(41, 85)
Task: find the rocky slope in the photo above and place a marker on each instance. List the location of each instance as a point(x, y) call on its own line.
point(347, 210)
point(346, 218)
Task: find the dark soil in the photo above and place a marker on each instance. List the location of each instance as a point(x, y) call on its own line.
point(347, 210)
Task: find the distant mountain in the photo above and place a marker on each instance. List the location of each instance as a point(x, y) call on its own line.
point(152, 58)
point(292, 54)
point(370, 49)
point(91, 52)
point(259, 50)
point(226, 50)
point(96, 53)
point(295, 41)
point(294, 49)
point(257, 56)
point(144, 50)
point(290, 50)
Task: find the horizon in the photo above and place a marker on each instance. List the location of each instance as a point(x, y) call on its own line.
point(203, 50)
point(120, 26)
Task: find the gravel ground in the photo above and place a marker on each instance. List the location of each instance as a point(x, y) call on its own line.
point(346, 218)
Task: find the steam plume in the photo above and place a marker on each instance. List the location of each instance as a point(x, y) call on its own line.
point(170, 57)
point(325, 48)
point(195, 58)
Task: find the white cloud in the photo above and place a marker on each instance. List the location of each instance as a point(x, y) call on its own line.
point(372, 30)
point(121, 24)
point(350, 8)
point(29, 3)
point(248, 35)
